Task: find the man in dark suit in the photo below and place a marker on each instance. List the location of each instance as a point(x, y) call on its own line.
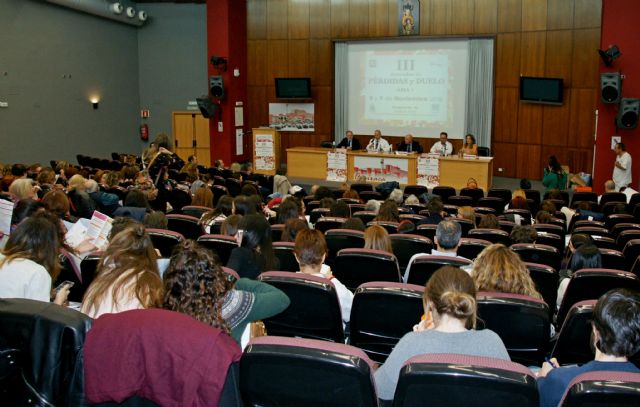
point(410, 146)
point(349, 142)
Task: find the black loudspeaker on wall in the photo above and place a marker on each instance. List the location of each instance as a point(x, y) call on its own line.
point(216, 86)
point(610, 87)
point(206, 106)
point(628, 114)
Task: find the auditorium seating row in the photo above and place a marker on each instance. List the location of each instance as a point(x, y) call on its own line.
point(273, 370)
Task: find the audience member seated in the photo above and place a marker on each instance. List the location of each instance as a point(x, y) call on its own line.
point(135, 206)
point(339, 209)
point(311, 251)
point(105, 202)
point(29, 261)
point(412, 200)
point(523, 234)
point(255, 254)
point(223, 209)
point(82, 205)
point(372, 205)
point(322, 192)
point(127, 276)
point(230, 225)
point(450, 300)
point(203, 197)
point(499, 269)
point(354, 224)
point(609, 186)
point(388, 212)
point(396, 196)
point(23, 209)
point(23, 188)
point(435, 207)
point(489, 221)
point(467, 212)
point(543, 217)
point(290, 208)
point(243, 205)
point(196, 285)
point(377, 238)
point(554, 177)
point(351, 194)
point(406, 227)
point(156, 220)
point(615, 328)
point(281, 184)
point(585, 256)
point(291, 229)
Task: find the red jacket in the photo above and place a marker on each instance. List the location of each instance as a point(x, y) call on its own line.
point(164, 356)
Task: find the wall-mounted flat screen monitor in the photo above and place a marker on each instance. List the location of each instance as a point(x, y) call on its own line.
point(541, 90)
point(293, 88)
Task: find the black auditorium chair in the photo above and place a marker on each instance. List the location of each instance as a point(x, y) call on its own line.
point(178, 199)
point(195, 210)
point(625, 236)
point(423, 267)
point(427, 230)
point(368, 195)
point(460, 200)
point(218, 192)
point(406, 245)
point(551, 239)
point(165, 240)
point(221, 245)
point(521, 321)
point(604, 242)
point(501, 193)
point(359, 188)
point(550, 228)
point(506, 225)
point(318, 213)
point(416, 190)
point(465, 225)
point(233, 186)
point(613, 219)
point(573, 341)
point(329, 222)
point(444, 192)
point(600, 389)
point(524, 214)
point(446, 380)
point(338, 239)
point(276, 232)
point(284, 251)
point(381, 314)
point(484, 152)
point(491, 235)
point(590, 284)
point(631, 252)
point(546, 280)
point(533, 194)
point(495, 203)
point(538, 253)
point(187, 226)
point(314, 311)
point(470, 248)
point(364, 216)
point(591, 230)
point(89, 270)
point(415, 219)
point(474, 193)
point(277, 371)
point(390, 227)
point(354, 267)
point(578, 197)
point(613, 197)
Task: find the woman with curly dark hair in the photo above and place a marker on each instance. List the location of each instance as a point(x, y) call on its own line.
point(388, 212)
point(196, 285)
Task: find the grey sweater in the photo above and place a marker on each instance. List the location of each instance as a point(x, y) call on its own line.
point(476, 343)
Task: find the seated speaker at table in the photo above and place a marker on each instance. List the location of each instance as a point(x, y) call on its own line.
point(378, 144)
point(409, 145)
point(349, 142)
point(442, 147)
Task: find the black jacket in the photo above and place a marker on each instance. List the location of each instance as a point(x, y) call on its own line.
point(415, 147)
point(45, 342)
point(355, 144)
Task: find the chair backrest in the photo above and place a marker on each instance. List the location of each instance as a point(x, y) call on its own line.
point(276, 232)
point(538, 253)
point(460, 200)
point(522, 322)
point(591, 230)
point(314, 311)
point(284, 251)
point(583, 197)
point(89, 270)
point(484, 151)
point(305, 372)
point(195, 210)
point(165, 240)
point(423, 267)
point(501, 193)
point(491, 235)
point(41, 353)
point(338, 239)
point(444, 192)
point(550, 228)
point(381, 314)
point(596, 389)
point(625, 236)
point(233, 186)
point(613, 197)
point(358, 266)
point(613, 259)
point(631, 252)
point(613, 219)
point(474, 193)
point(415, 219)
point(551, 239)
point(525, 215)
point(506, 225)
point(546, 280)
point(416, 190)
point(573, 345)
point(427, 230)
point(470, 248)
point(359, 188)
point(493, 202)
point(367, 195)
point(390, 227)
point(179, 199)
point(590, 284)
point(329, 222)
point(365, 216)
point(462, 380)
point(406, 245)
point(604, 242)
point(318, 213)
point(221, 245)
point(188, 226)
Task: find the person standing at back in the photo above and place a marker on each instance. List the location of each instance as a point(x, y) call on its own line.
point(622, 168)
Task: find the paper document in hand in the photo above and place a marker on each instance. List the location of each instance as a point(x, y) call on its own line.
point(6, 213)
point(99, 228)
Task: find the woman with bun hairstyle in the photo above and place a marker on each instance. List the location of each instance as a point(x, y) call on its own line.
point(450, 298)
point(127, 276)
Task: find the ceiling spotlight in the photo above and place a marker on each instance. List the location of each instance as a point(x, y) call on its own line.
point(611, 54)
point(131, 12)
point(142, 15)
point(116, 8)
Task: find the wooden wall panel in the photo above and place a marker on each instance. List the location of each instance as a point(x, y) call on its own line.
point(257, 110)
point(507, 60)
point(339, 18)
point(257, 51)
point(582, 118)
point(528, 164)
point(299, 66)
point(463, 23)
point(509, 15)
point(257, 20)
point(440, 17)
point(504, 157)
point(298, 19)
point(534, 15)
point(530, 123)
point(585, 58)
point(559, 14)
point(505, 115)
point(555, 126)
point(358, 18)
point(277, 21)
point(277, 59)
point(587, 14)
point(319, 17)
point(321, 62)
point(379, 18)
point(323, 95)
point(486, 16)
point(559, 55)
point(532, 53)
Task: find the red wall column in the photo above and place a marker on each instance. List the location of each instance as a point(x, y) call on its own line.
point(620, 27)
point(227, 37)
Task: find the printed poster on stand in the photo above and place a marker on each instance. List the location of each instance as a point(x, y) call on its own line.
point(429, 170)
point(337, 165)
point(264, 152)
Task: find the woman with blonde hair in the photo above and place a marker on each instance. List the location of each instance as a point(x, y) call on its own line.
point(377, 238)
point(23, 188)
point(450, 298)
point(499, 269)
point(81, 203)
point(467, 212)
point(127, 276)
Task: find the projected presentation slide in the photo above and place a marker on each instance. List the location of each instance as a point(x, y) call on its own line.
point(417, 87)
